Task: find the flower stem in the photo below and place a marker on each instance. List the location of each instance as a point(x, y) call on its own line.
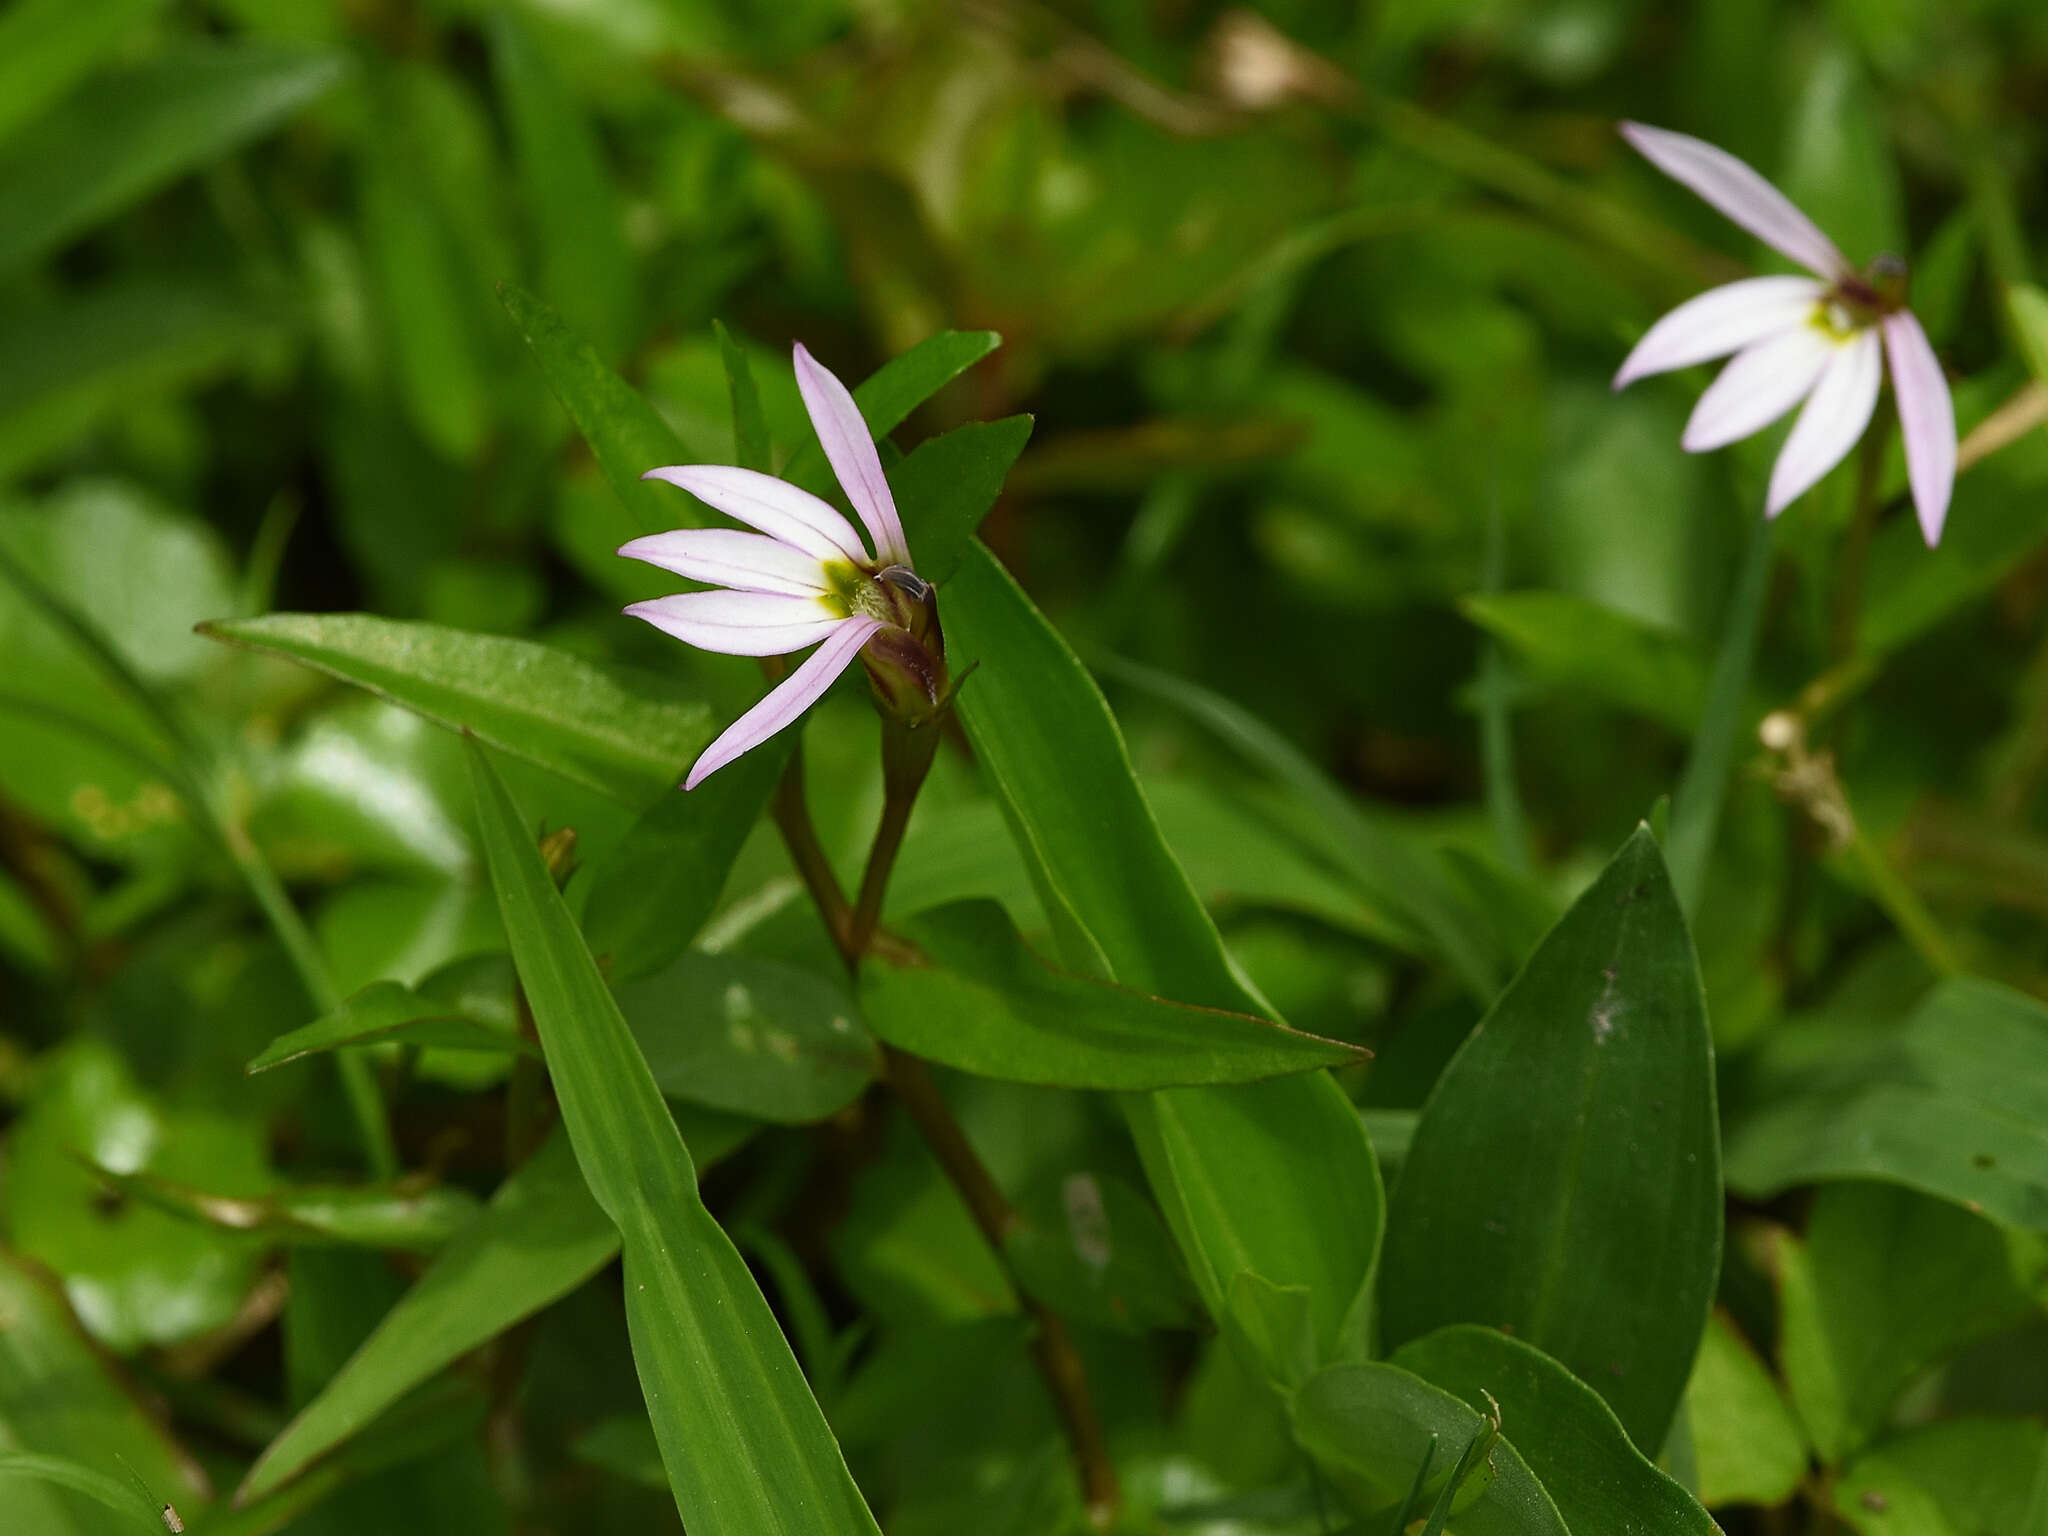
point(906, 759)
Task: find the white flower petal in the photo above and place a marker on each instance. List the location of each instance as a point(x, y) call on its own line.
point(1720, 321)
point(774, 506)
point(748, 562)
point(1741, 194)
point(850, 447)
point(740, 623)
point(1927, 420)
point(787, 699)
point(1835, 415)
point(1760, 385)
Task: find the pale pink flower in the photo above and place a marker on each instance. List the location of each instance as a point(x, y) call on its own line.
point(804, 578)
point(1823, 339)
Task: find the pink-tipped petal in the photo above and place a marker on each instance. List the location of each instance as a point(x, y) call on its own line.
point(788, 698)
point(1720, 321)
point(740, 623)
point(1835, 415)
point(850, 448)
point(747, 562)
point(1741, 194)
point(1760, 385)
point(1927, 420)
point(774, 506)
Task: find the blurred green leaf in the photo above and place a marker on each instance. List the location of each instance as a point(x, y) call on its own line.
point(2026, 308)
point(1966, 1475)
point(750, 444)
point(651, 894)
point(409, 1216)
point(625, 733)
point(389, 1012)
point(1273, 1329)
point(1564, 1180)
point(134, 1274)
point(1746, 1444)
point(66, 365)
point(750, 1036)
point(947, 485)
point(1370, 1426)
point(60, 1398)
point(978, 1000)
point(571, 202)
point(1223, 1163)
point(746, 1448)
point(1405, 880)
point(1840, 169)
point(48, 46)
point(1579, 644)
point(1602, 1485)
point(437, 357)
point(1886, 1284)
point(1953, 1103)
point(127, 132)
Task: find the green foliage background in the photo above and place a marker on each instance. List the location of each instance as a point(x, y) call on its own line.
point(315, 307)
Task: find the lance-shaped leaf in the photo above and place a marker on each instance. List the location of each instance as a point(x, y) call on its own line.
point(1601, 1484)
point(1564, 1181)
point(946, 485)
point(977, 999)
point(371, 1216)
point(623, 732)
point(747, 1450)
point(1225, 1163)
point(388, 1012)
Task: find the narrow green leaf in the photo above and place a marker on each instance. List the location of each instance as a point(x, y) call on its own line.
point(1696, 803)
point(122, 1497)
point(1405, 880)
point(1440, 1513)
point(1955, 1104)
point(651, 894)
point(985, 1004)
point(572, 203)
point(1224, 1163)
point(540, 1237)
point(2026, 308)
point(48, 46)
point(889, 394)
point(623, 430)
point(623, 732)
point(749, 423)
point(405, 1216)
point(747, 1450)
point(1584, 645)
point(1564, 1180)
point(127, 132)
point(751, 1036)
point(947, 485)
point(1601, 1484)
point(388, 1012)
point(1368, 1426)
